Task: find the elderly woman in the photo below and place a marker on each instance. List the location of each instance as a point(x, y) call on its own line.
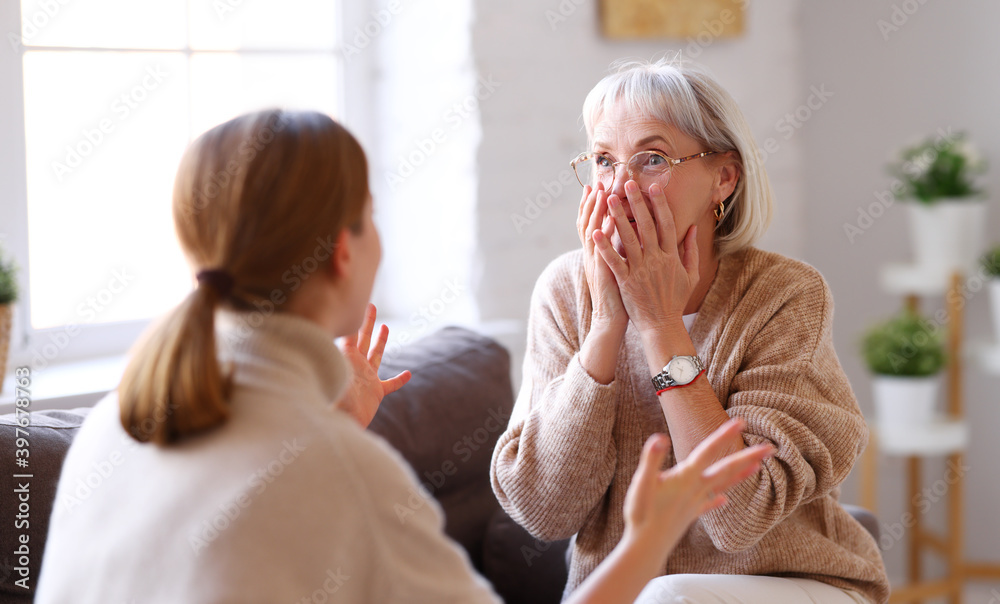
point(669, 320)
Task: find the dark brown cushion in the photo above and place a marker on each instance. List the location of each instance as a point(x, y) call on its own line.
point(865, 518)
point(49, 437)
point(446, 421)
point(522, 568)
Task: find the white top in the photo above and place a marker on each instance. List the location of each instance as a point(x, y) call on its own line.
point(689, 320)
point(288, 501)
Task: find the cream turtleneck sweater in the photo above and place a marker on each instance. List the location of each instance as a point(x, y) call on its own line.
point(288, 501)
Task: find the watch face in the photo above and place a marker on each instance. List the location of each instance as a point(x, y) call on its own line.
point(682, 370)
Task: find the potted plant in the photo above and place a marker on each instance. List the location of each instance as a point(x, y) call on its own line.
point(8, 295)
point(906, 355)
point(990, 263)
point(948, 209)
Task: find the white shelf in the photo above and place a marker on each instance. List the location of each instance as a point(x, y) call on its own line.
point(942, 437)
point(905, 279)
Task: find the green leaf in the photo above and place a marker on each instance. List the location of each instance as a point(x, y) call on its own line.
point(937, 168)
point(905, 345)
point(8, 279)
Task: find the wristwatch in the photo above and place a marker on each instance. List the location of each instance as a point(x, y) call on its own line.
point(681, 370)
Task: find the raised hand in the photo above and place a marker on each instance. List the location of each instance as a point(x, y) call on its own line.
point(599, 353)
point(660, 505)
point(366, 391)
point(609, 311)
point(655, 278)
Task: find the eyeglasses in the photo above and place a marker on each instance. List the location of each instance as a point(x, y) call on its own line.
point(645, 167)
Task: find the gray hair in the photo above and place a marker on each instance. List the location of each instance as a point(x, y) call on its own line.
point(688, 98)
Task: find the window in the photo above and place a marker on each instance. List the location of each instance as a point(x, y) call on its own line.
point(112, 92)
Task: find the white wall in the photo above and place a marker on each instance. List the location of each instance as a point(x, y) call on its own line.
point(938, 69)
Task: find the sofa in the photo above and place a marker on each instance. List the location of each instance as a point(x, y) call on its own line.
point(445, 422)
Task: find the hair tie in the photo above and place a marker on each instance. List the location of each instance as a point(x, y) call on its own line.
point(218, 278)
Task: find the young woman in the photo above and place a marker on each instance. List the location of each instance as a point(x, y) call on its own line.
point(232, 464)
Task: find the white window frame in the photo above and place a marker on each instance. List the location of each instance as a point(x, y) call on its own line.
point(76, 342)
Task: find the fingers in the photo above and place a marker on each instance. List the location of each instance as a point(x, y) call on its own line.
point(365, 333)
point(716, 501)
point(583, 210)
point(588, 207)
point(597, 217)
point(350, 341)
point(648, 236)
point(583, 213)
point(633, 247)
point(734, 469)
point(610, 257)
point(716, 444)
point(653, 454)
point(647, 475)
point(395, 383)
point(375, 354)
point(665, 228)
point(608, 227)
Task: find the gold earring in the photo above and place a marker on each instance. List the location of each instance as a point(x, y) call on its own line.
point(719, 211)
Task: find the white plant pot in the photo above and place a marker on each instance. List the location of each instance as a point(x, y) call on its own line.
point(948, 233)
point(901, 403)
point(995, 304)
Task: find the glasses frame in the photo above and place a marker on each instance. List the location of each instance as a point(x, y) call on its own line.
point(588, 155)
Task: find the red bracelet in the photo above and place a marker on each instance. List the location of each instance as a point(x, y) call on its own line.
point(661, 391)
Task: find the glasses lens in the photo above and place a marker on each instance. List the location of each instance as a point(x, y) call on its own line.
point(585, 172)
point(648, 168)
point(594, 170)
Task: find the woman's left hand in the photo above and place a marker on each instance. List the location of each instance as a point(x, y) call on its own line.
point(655, 280)
point(366, 391)
point(660, 504)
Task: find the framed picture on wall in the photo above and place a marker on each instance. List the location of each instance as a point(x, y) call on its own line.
point(640, 19)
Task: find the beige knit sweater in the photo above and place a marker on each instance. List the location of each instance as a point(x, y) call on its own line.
point(764, 332)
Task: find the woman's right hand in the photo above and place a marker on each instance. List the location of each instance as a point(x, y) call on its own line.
point(660, 505)
point(609, 319)
point(366, 390)
point(608, 309)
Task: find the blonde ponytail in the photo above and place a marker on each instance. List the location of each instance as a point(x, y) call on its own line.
point(174, 384)
point(252, 198)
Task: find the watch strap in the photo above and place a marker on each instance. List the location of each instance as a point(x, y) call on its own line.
point(662, 380)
